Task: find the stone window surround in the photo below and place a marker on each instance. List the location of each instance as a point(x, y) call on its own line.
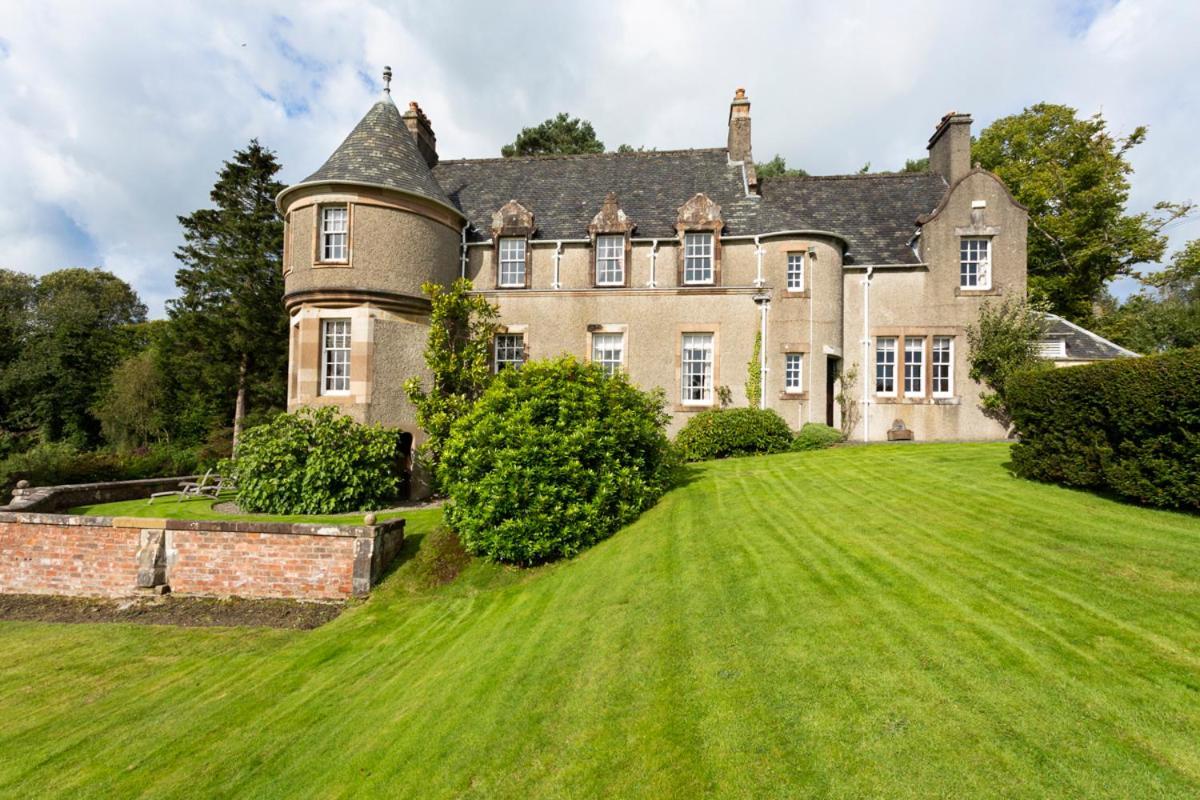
point(610, 220)
point(714, 401)
point(318, 208)
point(698, 215)
point(593, 329)
point(900, 334)
point(798, 348)
point(521, 330)
point(512, 221)
point(305, 353)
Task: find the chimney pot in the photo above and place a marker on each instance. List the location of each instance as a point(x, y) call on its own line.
point(422, 132)
point(738, 142)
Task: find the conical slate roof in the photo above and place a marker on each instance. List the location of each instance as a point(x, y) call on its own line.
point(381, 151)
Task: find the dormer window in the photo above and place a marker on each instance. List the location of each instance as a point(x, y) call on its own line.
point(610, 260)
point(698, 258)
point(512, 262)
point(699, 228)
point(975, 263)
point(335, 233)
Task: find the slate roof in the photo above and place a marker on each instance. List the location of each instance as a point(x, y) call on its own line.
point(565, 192)
point(381, 151)
point(876, 214)
point(1082, 344)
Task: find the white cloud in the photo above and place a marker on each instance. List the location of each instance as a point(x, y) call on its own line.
point(115, 116)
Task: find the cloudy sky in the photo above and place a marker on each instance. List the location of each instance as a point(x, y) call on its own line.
point(115, 116)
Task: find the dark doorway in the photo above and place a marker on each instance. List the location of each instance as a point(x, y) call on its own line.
point(833, 366)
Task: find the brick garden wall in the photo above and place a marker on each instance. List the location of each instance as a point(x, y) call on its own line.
point(85, 560)
point(114, 557)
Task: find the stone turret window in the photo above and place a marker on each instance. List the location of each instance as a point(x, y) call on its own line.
point(512, 262)
point(335, 234)
point(795, 272)
point(698, 258)
point(335, 356)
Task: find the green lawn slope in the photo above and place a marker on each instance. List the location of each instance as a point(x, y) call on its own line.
point(885, 621)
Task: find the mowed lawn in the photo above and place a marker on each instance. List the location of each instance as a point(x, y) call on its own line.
point(884, 621)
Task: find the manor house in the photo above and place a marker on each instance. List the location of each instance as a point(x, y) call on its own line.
point(665, 265)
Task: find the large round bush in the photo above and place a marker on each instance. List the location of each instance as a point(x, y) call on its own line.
point(725, 432)
point(315, 462)
point(815, 436)
point(552, 458)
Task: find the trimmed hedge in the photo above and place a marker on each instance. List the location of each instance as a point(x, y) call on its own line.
point(726, 432)
point(554, 457)
point(815, 436)
point(1131, 427)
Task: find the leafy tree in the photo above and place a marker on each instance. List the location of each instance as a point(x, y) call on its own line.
point(17, 291)
point(80, 329)
point(561, 135)
point(916, 164)
point(754, 373)
point(641, 148)
point(865, 168)
point(228, 345)
point(131, 412)
point(461, 327)
point(777, 168)
point(1181, 278)
point(1073, 176)
point(1003, 343)
point(1165, 318)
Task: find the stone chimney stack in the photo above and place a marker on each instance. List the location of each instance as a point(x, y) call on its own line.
point(739, 135)
point(422, 132)
point(950, 147)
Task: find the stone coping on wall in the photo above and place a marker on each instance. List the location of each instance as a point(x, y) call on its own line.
point(228, 526)
point(57, 498)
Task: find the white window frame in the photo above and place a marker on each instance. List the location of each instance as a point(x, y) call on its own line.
point(335, 234)
point(604, 345)
point(793, 373)
point(795, 272)
point(508, 350)
point(610, 259)
point(936, 363)
point(703, 343)
point(888, 375)
point(914, 366)
point(698, 258)
point(510, 262)
point(336, 344)
point(975, 263)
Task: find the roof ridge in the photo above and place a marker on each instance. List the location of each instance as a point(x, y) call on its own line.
point(579, 156)
point(851, 176)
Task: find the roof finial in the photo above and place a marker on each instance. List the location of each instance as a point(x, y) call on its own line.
point(387, 80)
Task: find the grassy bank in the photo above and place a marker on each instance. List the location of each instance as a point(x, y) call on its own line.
point(891, 621)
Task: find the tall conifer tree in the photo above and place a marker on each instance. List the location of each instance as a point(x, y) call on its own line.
point(229, 338)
